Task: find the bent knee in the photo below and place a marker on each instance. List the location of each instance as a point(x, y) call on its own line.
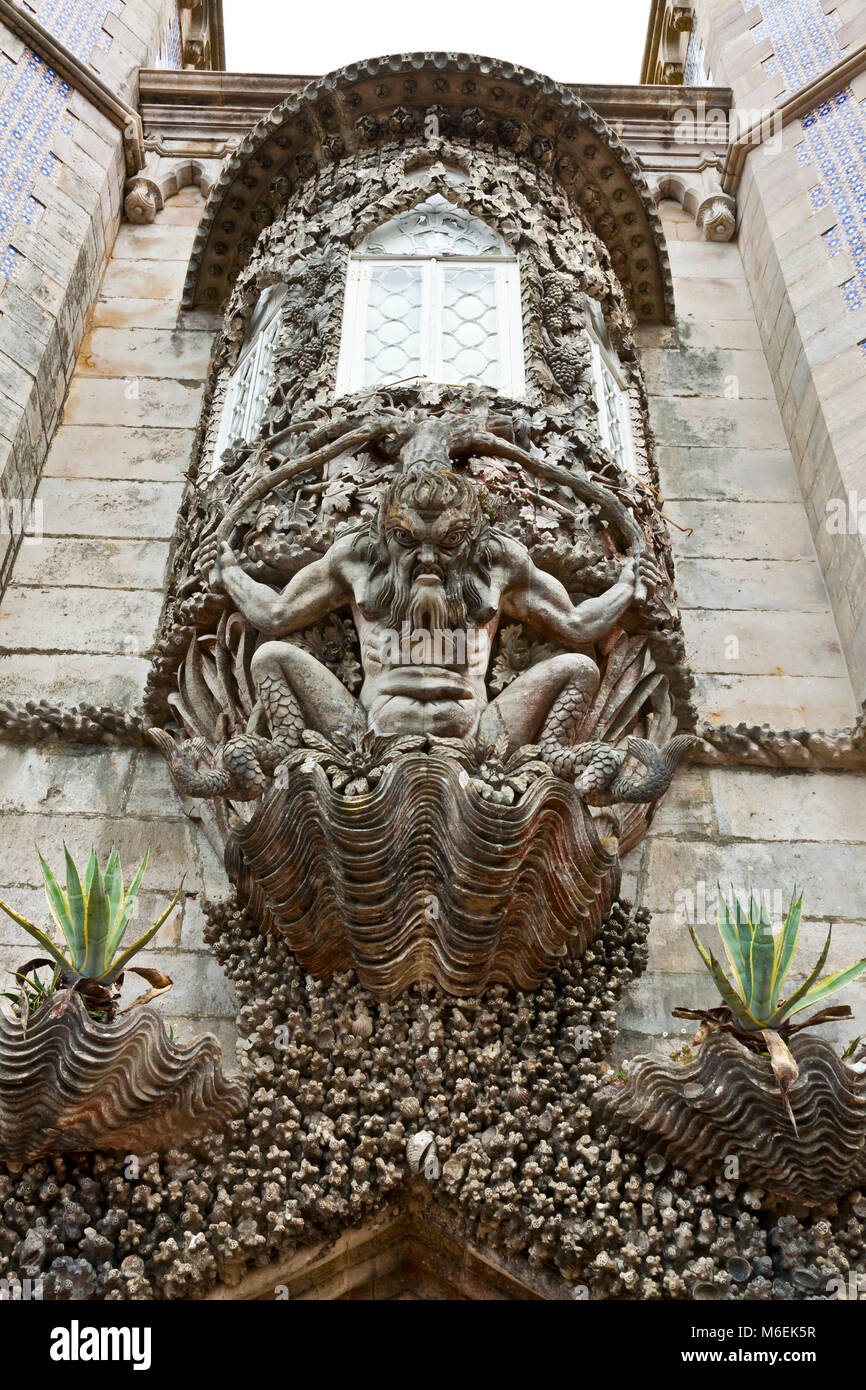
point(573, 667)
point(268, 657)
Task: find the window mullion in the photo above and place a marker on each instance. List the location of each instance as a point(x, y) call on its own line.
point(600, 398)
point(252, 386)
point(510, 329)
point(431, 322)
point(359, 334)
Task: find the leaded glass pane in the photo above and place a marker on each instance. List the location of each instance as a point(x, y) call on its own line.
point(262, 381)
point(611, 398)
point(435, 228)
point(392, 343)
point(240, 398)
point(470, 336)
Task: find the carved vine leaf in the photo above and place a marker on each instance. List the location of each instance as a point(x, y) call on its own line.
point(513, 657)
point(541, 518)
point(286, 537)
point(497, 777)
point(518, 651)
point(335, 644)
point(353, 762)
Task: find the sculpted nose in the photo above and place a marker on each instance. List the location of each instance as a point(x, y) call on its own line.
point(427, 553)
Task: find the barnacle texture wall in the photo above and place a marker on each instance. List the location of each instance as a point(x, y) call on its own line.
point(492, 1096)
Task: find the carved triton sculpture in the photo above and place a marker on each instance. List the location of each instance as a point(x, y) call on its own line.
point(420, 829)
point(421, 663)
point(427, 582)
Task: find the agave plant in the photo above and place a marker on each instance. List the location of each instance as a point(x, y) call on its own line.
point(93, 918)
point(754, 1010)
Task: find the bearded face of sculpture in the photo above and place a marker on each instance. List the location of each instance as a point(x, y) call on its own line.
point(429, 525)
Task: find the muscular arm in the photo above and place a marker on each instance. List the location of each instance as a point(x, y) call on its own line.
point(310, 595)
point(541, 600)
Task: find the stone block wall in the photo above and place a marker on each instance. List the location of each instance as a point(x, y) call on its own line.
point(81, 613)
point(762, 641)
point(802, 236)
point(760, 634)
point(63, 170)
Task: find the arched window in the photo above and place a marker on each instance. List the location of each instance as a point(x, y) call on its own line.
point(433, 293)
point(611, 390)
point(247, 393)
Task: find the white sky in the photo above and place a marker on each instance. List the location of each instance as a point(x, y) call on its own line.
point(569, 40)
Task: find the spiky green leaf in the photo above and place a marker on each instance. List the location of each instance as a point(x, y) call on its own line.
point(786, 946)
point(126, 909)
point(787, 1005)
point(736, 942)
point(37, 935)
point(825, 987)
point(58, 905)
point(113, 882)
point(96, 921)
point(732, 999)
point(761, 957)
point(90, 871)
point(75, 900)
point(117, 966)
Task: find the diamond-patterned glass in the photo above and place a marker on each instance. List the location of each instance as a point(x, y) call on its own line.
point(435, 228)
point(470, 337)
point(392, 346)
point(612, 398)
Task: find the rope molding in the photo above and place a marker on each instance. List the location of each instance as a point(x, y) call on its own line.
point(721, 745)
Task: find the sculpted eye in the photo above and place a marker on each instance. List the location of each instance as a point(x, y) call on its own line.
point(453, 539)
point(402, 537)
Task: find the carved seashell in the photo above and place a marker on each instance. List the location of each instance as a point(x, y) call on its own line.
point(362, 1025)
point(420, 1148)
point(726, 1103)
point(69, 1084)
point(422, 879)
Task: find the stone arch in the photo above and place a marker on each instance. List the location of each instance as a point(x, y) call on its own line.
point(700, 193)
point(416, 100)
point(160, 179)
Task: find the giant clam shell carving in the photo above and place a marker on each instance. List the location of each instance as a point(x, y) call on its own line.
point(727, 1104)
point(347, 880)
point(69, 1084)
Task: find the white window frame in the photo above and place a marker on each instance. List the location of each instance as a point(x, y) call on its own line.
point(509, 319)
point(247, 390)
point(605, 359)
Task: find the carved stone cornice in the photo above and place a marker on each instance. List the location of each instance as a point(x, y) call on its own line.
point(79, 76)
point(828, 84)
point(161, 178)
point(667, 41)
point(757, 745)
point(387, 100)
point(202, 35)
point(699, 192)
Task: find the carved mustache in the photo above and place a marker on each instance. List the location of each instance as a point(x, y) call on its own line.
point(425, 567)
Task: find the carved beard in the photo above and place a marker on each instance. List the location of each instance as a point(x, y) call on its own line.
point(427, 608)
point(431, 606)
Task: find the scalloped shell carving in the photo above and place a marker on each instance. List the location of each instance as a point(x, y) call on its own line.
point(727, 1103)
point(69, 1084)
point(423, 879)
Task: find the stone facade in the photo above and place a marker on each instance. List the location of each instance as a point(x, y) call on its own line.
point(746, 566)
point(748, 338)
